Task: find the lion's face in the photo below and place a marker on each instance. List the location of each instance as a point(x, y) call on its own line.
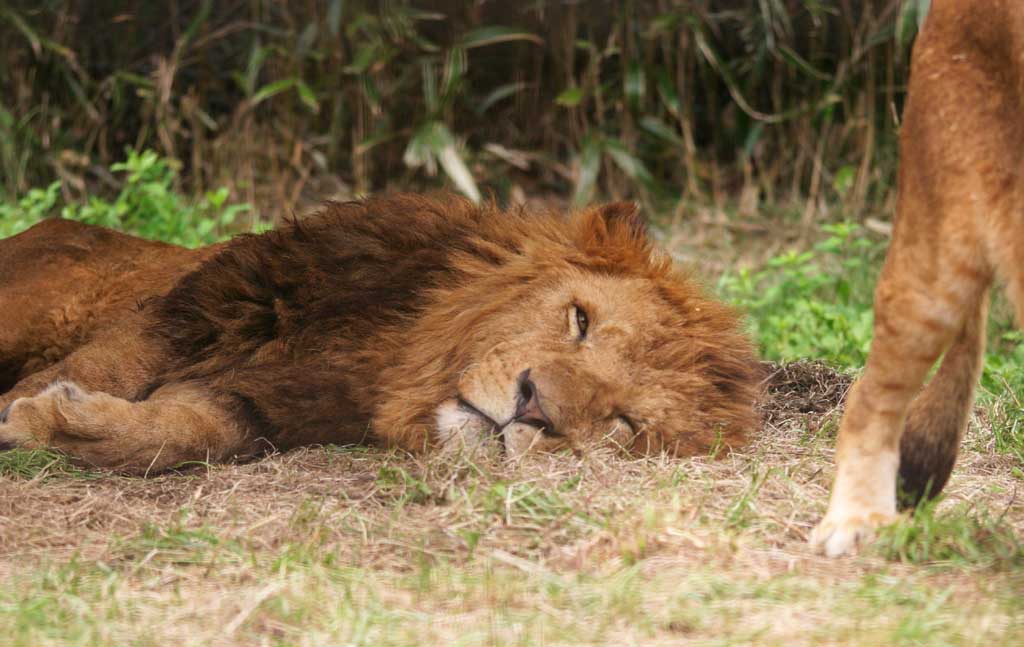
point(564, 373)
point(584, 356)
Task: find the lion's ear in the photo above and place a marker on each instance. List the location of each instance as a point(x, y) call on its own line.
point(624, 214)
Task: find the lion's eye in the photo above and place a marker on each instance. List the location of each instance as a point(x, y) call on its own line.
point(582, 322)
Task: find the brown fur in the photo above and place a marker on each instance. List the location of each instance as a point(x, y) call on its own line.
point(958, 225)
point(61, 279)
point(378, 321)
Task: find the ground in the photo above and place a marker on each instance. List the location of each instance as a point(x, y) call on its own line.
point(349, 546)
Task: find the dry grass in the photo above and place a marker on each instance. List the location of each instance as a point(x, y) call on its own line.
point(352, 546)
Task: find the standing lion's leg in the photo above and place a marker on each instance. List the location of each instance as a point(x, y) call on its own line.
point(920, 306)
point(179, 422)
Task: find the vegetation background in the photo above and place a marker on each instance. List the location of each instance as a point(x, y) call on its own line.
point(760, 136)
point(785, 103)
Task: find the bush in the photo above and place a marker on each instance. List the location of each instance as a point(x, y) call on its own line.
point(147, 206)
point(815, 303)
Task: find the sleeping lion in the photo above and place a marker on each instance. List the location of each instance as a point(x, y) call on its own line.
point(402, 321)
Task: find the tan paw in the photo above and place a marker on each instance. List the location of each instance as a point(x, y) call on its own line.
point(7, 440)
point(32, 422)
point(839, 535)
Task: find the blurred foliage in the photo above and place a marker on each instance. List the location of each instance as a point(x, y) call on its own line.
point(661, 99)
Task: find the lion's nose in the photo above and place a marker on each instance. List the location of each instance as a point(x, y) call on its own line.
point(528, 407)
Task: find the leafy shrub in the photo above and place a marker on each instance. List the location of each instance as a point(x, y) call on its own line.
point(147, 206)
point(815, 303)
point(30, 209)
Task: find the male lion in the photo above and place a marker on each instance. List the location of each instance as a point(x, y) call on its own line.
point(406, 321)
point(960, 223)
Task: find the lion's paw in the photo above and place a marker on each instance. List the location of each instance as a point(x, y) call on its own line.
point(839, 535)
point(6, 443)
point(31, 422)
point(11, 436)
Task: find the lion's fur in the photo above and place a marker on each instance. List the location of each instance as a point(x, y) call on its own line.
point(61, 280)
point(353, 324)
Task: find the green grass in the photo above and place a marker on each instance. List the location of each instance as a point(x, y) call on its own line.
point(959, 537)
point(357, 607)
point(39, 464)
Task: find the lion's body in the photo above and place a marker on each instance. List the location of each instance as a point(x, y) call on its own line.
point(959, 225)
point(404, 321)
point(62, 280)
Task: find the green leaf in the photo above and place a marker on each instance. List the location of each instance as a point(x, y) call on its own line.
point(201, 16)
point(429, 85)
point(499, 93)
point(366, 56)
point(271, 89)
point(661, 130)
point(570, 97)
point(800, 63)
point(910, 20)
point(454, 71)
point(922, 11)
point(590, 166)
point(307, 96)
point(307, 40)
point(375, 139)
point(753, 136)
point(844, 179)
point(459, 173)
point(257, 55)
point(667, 92)
point(628, 163)
point(305, 93)
point(483, 36)
point(666, 22)
point(634, 85)
point(433, 143)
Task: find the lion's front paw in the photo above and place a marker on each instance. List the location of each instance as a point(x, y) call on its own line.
point(32, 422)
point(5, 443)
point(843, 534)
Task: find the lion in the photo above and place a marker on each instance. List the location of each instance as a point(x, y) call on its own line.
point(403, 321)
point(958, 227)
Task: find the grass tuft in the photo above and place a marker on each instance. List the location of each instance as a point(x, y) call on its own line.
point(38, 464)
point(962, 536)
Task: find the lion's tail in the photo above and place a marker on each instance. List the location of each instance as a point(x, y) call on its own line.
point(938, 415)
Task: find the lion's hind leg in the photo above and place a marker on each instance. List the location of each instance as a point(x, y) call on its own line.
point(915, 322)
point(178, 423)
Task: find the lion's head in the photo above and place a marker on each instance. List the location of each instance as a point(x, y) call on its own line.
point(559, 333)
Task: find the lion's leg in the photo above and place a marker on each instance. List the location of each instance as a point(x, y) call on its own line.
point(916, 318)
point(121, 361)
point(178, 423)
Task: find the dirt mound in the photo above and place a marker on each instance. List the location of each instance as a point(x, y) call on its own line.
point(800, 390)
